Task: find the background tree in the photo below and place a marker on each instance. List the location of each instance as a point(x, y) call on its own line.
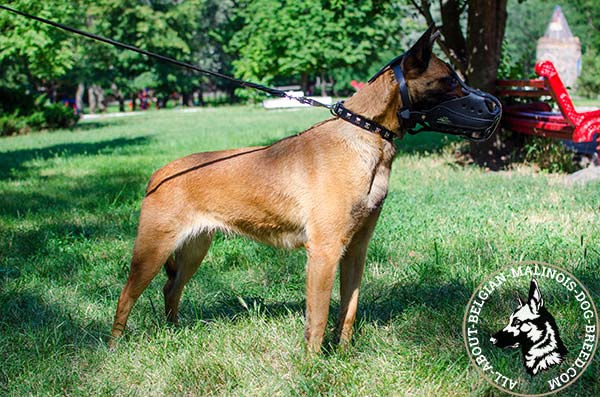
point(584, 19)
point(34, 56)
point(474, 51)
point(280, 43)
point(288, 41)
point(157, 26)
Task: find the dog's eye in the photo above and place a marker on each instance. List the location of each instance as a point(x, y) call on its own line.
point(453, 83)
point(516, 322)
point(450, 82)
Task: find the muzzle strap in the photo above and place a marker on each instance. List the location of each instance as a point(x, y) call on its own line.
point(404, 114)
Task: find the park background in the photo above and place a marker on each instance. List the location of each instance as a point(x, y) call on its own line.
point(70, 191)
point(319, 46)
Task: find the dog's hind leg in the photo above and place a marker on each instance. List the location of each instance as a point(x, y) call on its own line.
point(151, 251)
point(351, 270)
point(180, 269)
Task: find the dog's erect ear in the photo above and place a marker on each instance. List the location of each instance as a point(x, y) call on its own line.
point(418, 56)
point(519, 302)
point(535, 299)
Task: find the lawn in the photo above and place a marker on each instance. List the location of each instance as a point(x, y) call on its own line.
point(69, 203)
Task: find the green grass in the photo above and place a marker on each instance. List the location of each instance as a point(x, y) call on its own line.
point(593, 103)
point(69, 203)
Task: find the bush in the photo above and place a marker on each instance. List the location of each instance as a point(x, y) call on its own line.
point(549, 155)
point(11, 124)
point(58, 115)
point(50, 116)
point(16, 101)
point(36, 120)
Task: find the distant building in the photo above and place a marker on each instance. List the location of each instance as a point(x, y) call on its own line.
point(561, 47)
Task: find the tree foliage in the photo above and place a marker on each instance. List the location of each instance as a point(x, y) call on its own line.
point(309, 37)
point(589, 80)
point(31, 52)
point(283, 40)
point(158, 26)
point(527, 22)
point(269, 41)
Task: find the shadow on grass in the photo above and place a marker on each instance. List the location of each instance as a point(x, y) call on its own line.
point(382, 304)
point(92, 125)
point(65, 210)
point(43, 245)
point(64, 194)
point(424, 142)
point(38, 335)
point(14, 161)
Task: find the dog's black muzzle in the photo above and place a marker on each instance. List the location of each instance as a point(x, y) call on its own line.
point(475, 115)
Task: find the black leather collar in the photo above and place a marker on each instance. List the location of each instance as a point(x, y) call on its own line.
point(340, 111)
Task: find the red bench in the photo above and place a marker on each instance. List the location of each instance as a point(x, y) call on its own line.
point(537, 118)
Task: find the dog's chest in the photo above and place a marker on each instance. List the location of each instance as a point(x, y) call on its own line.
point(376, 190)
point(379, 188)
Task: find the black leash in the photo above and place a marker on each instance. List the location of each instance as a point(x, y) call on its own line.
point(336, 109)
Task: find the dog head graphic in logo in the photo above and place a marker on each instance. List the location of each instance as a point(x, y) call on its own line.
point(534, 329)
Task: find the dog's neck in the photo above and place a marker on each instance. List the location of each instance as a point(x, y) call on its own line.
point(378, 101)
point(544, 353)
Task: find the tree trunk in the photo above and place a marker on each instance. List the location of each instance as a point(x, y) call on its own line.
point(452, 32)
point(92, 99)
point(487, 20)
point(323, 85)
point(79, 97)
point(133, 102)
point(200, 95)
point(53, 92)
point(304, 84)
point(100, 100)
point(478, 56)
point(187, 99)
point(334, 91)
point(119, 96)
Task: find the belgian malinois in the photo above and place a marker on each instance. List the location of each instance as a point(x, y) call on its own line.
point(322, 189)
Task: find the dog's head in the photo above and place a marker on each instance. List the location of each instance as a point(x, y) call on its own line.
point(526, 324)
point(432, 94)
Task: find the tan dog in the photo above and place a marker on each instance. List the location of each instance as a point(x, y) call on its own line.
point(322, 189)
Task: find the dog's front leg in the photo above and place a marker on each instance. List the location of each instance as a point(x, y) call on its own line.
point(320, 273)
point(351, 270)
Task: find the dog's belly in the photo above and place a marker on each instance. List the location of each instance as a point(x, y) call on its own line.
point(275, 232)
point(280, 233)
